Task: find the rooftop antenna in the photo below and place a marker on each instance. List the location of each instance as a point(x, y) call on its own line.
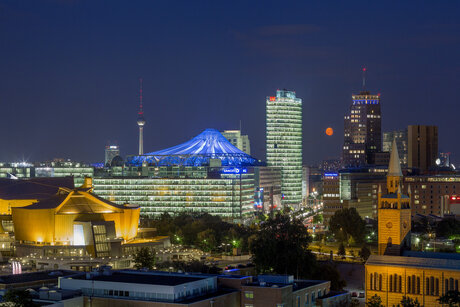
point(240, 125)
point(364, 78)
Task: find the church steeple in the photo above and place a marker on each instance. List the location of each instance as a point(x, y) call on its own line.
point(394, 170)
point(394, 213)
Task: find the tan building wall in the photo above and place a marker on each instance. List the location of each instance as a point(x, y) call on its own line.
point(422, 147)
point(270, 296)
point(427, 191)
point(331, 197)
point(420, 289)
point(393, 226)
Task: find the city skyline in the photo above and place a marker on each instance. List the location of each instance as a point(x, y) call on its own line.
point(67, 63)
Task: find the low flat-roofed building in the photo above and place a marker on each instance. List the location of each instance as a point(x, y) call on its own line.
point(30, 280)
point(282, 290)
point(139, 288)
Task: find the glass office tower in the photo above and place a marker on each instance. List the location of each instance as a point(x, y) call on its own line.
point(284, 142)
point(363, 131)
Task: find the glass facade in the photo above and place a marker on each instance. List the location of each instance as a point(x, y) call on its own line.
point(111, 151)
point(230, 196)
point(362, 133)
point(402, 142)
point(47, 169)
point(284, 142)
point(79, 172)
point(17, 170)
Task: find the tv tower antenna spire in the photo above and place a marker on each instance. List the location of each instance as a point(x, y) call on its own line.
point(364, 78)
point(141, 120)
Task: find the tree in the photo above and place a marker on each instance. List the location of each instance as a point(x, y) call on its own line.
point(341, 251)
point(347, 225)
point(448, 227)
point(328, 271)
point(281, 246)
point(20, 298)
point(409, 302)
point(374, 301)
point(144, 258)
point(354, 302)
point(207, 240)
point(318, 218)
point(364, 253)
point(451, 298)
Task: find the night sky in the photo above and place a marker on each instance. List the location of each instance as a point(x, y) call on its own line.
point(69, 70)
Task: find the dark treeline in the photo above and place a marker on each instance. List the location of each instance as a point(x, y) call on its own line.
point(205, 231)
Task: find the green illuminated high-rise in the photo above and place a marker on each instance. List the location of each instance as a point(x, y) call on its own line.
point(284, 142)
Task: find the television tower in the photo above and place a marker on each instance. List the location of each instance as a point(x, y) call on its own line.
point(141, 120)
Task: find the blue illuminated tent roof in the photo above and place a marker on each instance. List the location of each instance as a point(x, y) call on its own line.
point(209, 144)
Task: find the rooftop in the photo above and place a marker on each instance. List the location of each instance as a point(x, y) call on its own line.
point(35, 276)
point(33, 188)
point(296, 285)
point(150, 278)
point(209, 144)
point(394, 195)
point(417, 260)
point(79, 200)
point(431, 255)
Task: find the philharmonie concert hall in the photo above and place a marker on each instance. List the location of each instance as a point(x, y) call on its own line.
point(207, 174)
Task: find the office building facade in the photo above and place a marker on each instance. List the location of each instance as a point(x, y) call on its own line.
point(423, 146)
point(111, 151)
point(230, 196)
point(238, 140)
point(284, 142)
point(433, 194)
point(331, 195)
point(400, 136)
point(362, 133)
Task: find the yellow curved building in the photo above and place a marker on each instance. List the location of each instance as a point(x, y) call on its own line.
point(75, 217)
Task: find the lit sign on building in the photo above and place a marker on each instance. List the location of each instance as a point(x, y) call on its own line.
point(330, 174)
point(365, 101)
point(272, 98)
point(235, 170)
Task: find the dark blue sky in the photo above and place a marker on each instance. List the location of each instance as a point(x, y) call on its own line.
point(69, 70)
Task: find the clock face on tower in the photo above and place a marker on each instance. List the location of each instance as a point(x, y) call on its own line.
point(405, 224)
point(389, 225)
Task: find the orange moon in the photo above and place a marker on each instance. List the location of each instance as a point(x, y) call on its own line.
point(329, 131)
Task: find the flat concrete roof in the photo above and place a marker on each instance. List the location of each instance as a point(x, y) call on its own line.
point(149, 278)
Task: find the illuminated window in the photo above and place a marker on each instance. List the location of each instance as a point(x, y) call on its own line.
point(249, 294)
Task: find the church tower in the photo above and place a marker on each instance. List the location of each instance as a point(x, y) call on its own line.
point(394, 212)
